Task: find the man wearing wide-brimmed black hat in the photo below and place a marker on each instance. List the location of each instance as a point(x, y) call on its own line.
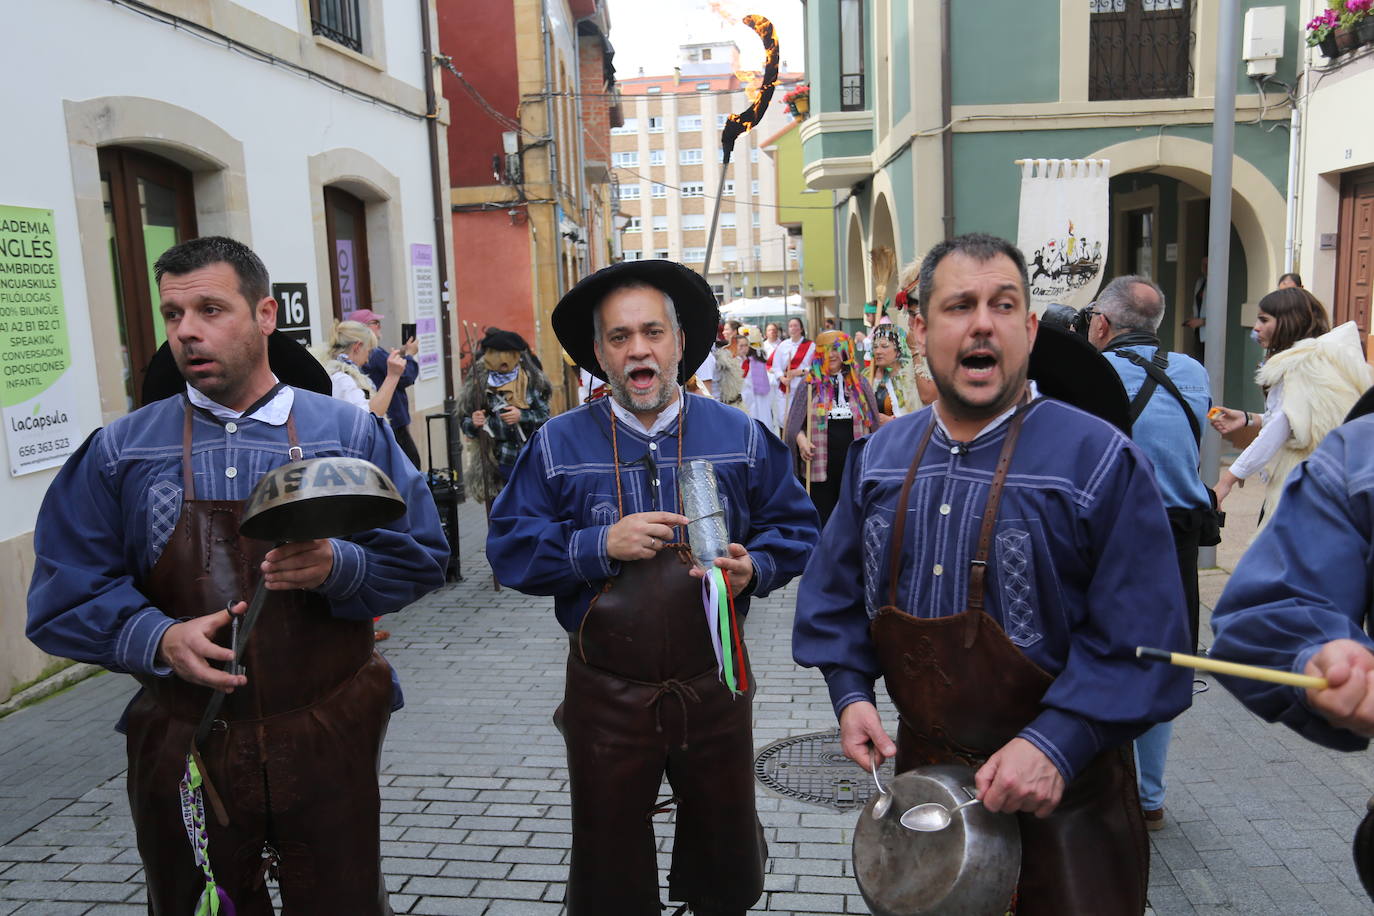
point(996, 558)
point(592, 515)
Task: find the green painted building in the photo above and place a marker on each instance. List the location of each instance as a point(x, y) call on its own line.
point(907, 166)
point(810, 219)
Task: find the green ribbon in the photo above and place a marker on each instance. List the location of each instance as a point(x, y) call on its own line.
point(727, 648)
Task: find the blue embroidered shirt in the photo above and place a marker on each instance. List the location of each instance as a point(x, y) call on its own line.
point(548, 528)
point(1081, 569)
point(1306, 580)
point(109, 512)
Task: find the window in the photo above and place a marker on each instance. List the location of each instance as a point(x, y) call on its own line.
point(729, 189)
point(693, 221)
point(629, 192)
point(634, 225)
point(658, 190)
point(758, 253)
point(625, 160)
point(703, 87)
point(754, 154)
point(655, 157)
point(754, 219)
point(689, 122)
point(346, 227)
point(754, 187)
point(631, 126)
point(705, 54)
point(720, 121)
point(660, 223)
point(339, 21)
point(727, 221)
point(791, 256)
point(693, 189)
point(661, 254)
point(851, 55)
point(693, 254)
point(633, 254)
point(149, 207)
point(1139, 50)
point(653, 90)
point(656, 125)
point(727, 254)
point(689, 157)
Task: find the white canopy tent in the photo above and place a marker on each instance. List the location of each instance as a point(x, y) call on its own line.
point(763, 307)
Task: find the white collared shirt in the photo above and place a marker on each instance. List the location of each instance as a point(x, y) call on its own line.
point(666, 416)
point(273, 413)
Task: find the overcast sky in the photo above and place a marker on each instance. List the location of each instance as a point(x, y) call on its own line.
point(646, 33)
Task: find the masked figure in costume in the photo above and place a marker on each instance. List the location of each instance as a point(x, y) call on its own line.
point(505, 400)
point(592, 516)
point(139, 554)
point(996, 558)
point(894, 386)
point(833, 406)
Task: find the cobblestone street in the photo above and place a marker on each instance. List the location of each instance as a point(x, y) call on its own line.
point(475, 811)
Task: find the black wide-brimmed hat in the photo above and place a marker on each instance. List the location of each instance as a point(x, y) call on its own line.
point(1365, 405)
point(697, 311)
point(290, 362)
point(1068, 368)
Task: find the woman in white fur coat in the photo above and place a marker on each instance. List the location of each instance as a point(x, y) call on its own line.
point(1311, 377)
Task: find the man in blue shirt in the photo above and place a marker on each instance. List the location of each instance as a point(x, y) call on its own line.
point(996, 558)
point(592, 515)
point(1170, 396)
point(140, 568)
point(398, 411)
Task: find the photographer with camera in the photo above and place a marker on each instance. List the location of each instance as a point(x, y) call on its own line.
point(1170, 396)
point(505, 399)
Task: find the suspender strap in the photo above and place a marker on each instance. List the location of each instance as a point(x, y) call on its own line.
point(899, 523)
point(1156, 376)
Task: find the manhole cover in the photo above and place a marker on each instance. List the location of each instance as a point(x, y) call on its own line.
point(812, 768)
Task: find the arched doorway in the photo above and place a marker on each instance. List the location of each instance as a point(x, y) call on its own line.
point(149, 207)
point(883, 259)
point(856, 271)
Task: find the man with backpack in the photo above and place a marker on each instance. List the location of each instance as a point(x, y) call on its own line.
point(1170, 396)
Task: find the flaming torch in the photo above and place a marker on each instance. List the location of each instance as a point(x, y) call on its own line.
point(737, 124)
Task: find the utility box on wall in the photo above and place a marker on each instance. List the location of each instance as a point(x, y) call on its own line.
point(1262, 45)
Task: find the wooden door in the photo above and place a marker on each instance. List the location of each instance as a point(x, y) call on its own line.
point(1355, 250)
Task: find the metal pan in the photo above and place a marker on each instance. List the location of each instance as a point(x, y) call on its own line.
point(968, 869)
point(320, 498)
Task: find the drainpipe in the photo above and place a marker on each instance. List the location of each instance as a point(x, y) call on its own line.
point(1219, 233)
point(946, 116)
point(442, 214)
point(551, 133)
point(1294, 160)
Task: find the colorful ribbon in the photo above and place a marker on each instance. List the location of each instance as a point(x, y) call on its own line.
point(723, 625)
point(213, 900)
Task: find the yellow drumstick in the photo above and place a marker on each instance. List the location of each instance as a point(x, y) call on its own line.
point(1235, 669)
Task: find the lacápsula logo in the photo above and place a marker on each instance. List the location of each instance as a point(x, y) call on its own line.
point(38, 420)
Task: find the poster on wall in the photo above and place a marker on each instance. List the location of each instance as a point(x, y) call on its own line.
point(38, 393)
point(343, 272)
point(426, 298)
point(1062, 229)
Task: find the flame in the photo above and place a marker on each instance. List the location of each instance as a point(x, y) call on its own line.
point(759, 98)
point(719, 9)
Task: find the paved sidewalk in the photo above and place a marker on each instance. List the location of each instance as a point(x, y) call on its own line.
point(475, 811)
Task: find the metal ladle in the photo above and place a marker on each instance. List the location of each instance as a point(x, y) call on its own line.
point(932, 816)
point(881, 806)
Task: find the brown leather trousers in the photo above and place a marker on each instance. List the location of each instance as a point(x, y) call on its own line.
point(642, 699)
point(294, 754)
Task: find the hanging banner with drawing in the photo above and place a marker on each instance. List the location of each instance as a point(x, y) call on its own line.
point(1062, 229)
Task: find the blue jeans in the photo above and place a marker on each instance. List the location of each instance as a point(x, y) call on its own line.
point(1151, 750)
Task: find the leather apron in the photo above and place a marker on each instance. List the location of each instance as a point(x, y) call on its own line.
point(963, 690)
point(294, 755)
point(643, 698)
